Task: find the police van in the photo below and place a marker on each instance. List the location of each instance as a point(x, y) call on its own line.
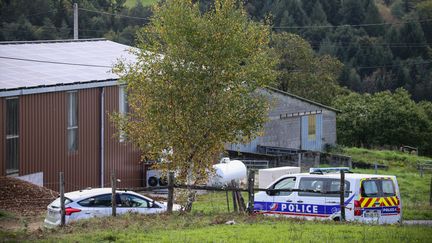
point(316, 195)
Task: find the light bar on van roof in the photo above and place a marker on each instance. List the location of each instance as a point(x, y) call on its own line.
point(329, 170)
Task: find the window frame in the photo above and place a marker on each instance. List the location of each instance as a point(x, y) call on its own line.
point(72, 122)
point(278, 193)
point(12, 138)
point(123, 109)
point(94, 197)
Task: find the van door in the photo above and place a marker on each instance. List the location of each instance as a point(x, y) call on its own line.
point(269, 202)
point(283, 200)
point(332, 198)
point(379, 201)
point(310, 202)
point(389, 202)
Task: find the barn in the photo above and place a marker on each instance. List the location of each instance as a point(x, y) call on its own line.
point(56, 98)
point(55, 101)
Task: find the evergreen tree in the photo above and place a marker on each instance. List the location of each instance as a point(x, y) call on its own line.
point(352, 12)
point(412, 35)
point(318, 15)
point(373, 16)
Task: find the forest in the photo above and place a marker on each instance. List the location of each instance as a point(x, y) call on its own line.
point(371, 59)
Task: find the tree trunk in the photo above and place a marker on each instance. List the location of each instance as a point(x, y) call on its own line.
point(190, 200)
point(191, 193)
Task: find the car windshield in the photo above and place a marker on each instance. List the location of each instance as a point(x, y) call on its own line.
point(56, 203)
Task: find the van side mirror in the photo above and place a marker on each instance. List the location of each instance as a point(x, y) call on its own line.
point(272, 193)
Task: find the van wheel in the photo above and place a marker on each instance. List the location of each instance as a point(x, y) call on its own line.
point(337, 219)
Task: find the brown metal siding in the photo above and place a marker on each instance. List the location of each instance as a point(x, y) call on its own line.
point(43, 139)
point(2, 138)
point(121, 157)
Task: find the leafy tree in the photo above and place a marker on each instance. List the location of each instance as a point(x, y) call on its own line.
point(303, 73)
point(383, 119)
point(194, 85)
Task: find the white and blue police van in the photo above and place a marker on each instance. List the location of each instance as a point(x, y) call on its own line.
point(316, 195)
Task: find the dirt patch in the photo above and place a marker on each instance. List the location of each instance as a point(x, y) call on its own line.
point(24, 199)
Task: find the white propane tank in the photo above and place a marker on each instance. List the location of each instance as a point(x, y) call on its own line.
point(226, 171)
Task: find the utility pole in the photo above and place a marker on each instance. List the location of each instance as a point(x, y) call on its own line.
point(75, 27)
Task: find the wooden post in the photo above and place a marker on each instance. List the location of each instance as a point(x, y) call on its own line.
point(376, 168)
point(299, 159)
point(430, 192)
point(235, 208)
point(170, 192)
point(113, 194)
point(342, 195)
point(251, 183)
point(227, 199)
point(62, 200)
point(421, 170)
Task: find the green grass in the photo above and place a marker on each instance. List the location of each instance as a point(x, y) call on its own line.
point(386, 157)
point(211, 227)
point(131, 3)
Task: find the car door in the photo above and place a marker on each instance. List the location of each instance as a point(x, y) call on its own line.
point(310, 202)
point(130, 203)
point(283, 201)
point(96, 206)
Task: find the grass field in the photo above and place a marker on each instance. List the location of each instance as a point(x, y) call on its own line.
point(386, 157)
point(197, 227)
point(131, 3)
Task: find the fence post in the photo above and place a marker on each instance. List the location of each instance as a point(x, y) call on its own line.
point(233, 186)
point(170, 202)
point(430, 191)
point(421, 170)
point(251, 184)
point(342, 195)
point(299, 160)
point(376, 168)
point(227, 199)
point(62, 200)
point(113, 194)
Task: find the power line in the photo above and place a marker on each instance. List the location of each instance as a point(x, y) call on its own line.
point(394, 65)
point(112, 14)
point(54, 62)
point(349, 25)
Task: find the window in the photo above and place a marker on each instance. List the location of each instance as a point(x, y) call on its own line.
point(312, 127)
point(12, 136)
point(131, 201)
point(334, 188)
point(378, 188)
point(287, 183)
point(370, 188)
point(123, 107)
point(388, 188)
point(72, 121)
point(97, 201)
point(315, 185)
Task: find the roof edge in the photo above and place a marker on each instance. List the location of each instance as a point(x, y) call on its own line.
point(57, 87)
point(50, 41)
point(302, 99)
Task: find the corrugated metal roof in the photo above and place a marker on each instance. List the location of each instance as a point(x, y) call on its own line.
point(47, 63)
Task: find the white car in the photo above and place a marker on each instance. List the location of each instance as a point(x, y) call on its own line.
point(368, 198)
point(90, 203)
